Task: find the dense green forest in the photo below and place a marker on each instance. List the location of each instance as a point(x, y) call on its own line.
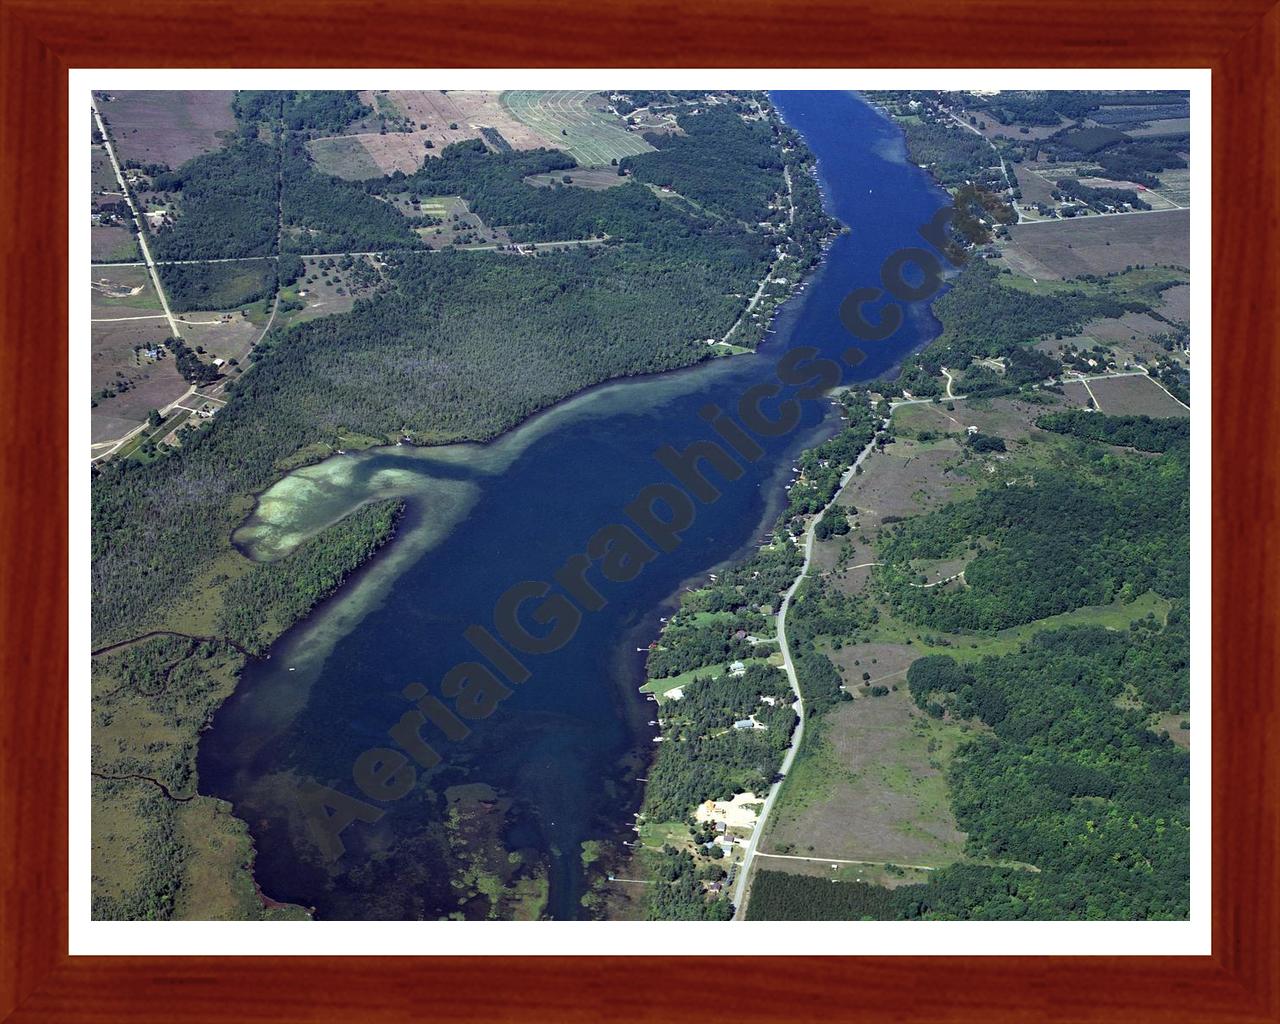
point(1049, 544)
point(678, 893)
point(322, 213)
point(953, 155)
point(227, 204)
point(270, 594)
point(217, 286)
point(1070, 778)
point(325, 111)
point(1141, 432)
point(752, 164)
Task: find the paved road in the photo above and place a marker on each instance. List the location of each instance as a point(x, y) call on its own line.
point(740, 894)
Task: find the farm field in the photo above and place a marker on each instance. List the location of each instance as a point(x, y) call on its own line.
point(579, 124)
point(134, 383)
point(1100, 245)
point(471, 110)
point(1135, 396)
point(111, 243)
point(1177, 303)
point(1036, 188)
point(102, 178)
point(431, 115)
point(1175, 185)
point(1168, 126)
point(168, 127)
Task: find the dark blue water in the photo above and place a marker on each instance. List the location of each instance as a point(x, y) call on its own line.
point(563, 747)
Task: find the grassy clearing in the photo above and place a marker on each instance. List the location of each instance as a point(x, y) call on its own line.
point(344, 156)
point(112, 244)
point(967, 647)
point(1132, 284)
point(870, 785)
point(216, 885)
point(122, 291)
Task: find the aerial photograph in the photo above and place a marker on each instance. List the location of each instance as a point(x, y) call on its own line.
point(650, 505)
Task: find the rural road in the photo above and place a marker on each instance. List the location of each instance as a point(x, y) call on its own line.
point(744, 873)
point(137, 219)
point(837, 860)
point(1004, 168)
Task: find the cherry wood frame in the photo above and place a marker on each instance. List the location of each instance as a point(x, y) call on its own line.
point(39, 41)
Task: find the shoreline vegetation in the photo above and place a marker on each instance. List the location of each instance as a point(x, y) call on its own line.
point(1072, 512)
point(163, 560)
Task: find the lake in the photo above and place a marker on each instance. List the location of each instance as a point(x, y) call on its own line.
point(557, 763)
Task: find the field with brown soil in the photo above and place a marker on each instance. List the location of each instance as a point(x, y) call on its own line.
point(1176, 304)
point(372, 154)
point(151, 383)
point(1100, 245)
point(1135, 396)
point(167, 126)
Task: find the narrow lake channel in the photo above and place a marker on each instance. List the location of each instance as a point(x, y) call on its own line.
point(562, 753)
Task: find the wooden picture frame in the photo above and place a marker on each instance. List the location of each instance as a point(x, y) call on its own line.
point(40, 40)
